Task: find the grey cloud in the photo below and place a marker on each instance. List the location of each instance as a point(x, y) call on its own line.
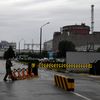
point(20, 23)
point(42, 0)
point(30, 2)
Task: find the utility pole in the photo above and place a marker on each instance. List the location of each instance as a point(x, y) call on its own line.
point(41, 36)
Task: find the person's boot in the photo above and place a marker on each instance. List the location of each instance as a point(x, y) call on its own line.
point(5, 80)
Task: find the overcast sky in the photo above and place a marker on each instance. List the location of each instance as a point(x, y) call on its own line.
point(22, 19)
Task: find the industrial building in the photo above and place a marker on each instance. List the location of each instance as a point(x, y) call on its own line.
point(79, 35)
point(4, 45)
point(48, 45)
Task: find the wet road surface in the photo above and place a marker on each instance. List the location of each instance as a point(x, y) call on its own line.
point(43, 88)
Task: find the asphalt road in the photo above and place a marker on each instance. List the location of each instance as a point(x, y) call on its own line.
point(42, 88)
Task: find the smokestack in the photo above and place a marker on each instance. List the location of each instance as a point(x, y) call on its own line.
point(92, 19)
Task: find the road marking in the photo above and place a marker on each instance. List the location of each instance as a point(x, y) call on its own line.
point(81, 96)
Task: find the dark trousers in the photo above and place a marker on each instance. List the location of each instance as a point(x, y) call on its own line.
point(8, 73)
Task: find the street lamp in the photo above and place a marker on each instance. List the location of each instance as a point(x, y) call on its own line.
point(41, 35)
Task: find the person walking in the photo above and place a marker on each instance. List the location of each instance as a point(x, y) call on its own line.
point(8, 70)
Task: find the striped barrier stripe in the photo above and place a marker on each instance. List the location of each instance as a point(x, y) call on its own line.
point(60, 82)
point(71, 84)
point(64, 83)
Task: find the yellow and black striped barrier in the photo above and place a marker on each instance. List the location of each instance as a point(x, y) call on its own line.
point(64, 82)
point(57, 65)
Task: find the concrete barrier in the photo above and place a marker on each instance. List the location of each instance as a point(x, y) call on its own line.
point(64, 82)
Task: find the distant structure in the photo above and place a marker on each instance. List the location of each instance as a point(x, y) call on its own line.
point(4, 45)
point(92, 19)
point(48, 45)
point(79, 35)
point(29, 47)
point(90, 45)
point(76, 29)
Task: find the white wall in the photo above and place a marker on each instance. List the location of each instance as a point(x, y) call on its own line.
point(81, 57)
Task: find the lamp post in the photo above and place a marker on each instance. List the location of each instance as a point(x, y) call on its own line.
point(41, 35)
